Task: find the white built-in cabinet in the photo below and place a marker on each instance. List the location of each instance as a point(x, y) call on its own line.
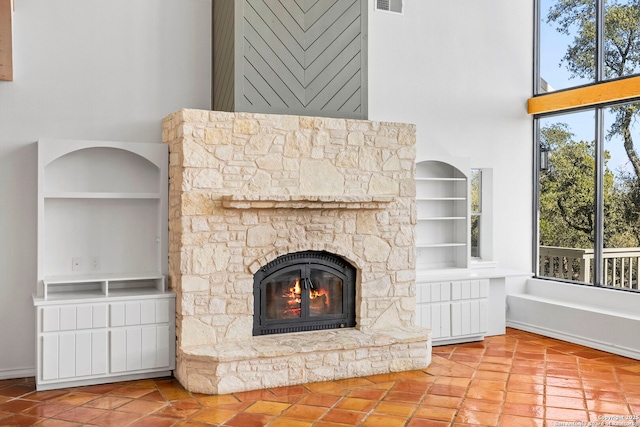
point(103, 310)
point(442, 232)
point(458, 300)
point(455, 311)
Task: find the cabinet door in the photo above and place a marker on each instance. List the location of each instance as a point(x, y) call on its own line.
point(118, 350)
point(83, 354)
point(162, 347)
point(99, 352)
point(67, 357)
point(469, 317)
point(138, 348)
point(74, 354)
point(155, 347)
point(49, 357)
point(91, 353)
point(435, 317)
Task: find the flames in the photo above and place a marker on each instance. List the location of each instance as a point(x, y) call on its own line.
point(318, 300)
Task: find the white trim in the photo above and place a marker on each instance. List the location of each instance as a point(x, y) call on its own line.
point(103, 380)
point(604, 319)
point(575, 339)
point(6, 374)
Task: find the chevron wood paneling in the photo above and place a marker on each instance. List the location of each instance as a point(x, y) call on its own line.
point(223, 63)
point(303, 57)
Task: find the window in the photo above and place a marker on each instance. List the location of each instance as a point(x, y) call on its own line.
point(566, 191)
point(481, 216)
point(583, 42)
point(476, 212)
point(588, 193)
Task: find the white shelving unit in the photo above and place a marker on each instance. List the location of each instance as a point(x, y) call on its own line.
point(103, 285)
point(459, 302)
point(442, 230)
point(103, 309)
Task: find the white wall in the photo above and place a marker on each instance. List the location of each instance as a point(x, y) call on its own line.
point(111, 70)
point(461, 71)
point(84, 69)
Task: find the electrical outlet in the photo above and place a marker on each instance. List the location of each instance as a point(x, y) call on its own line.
point(95, 263)
point(76, 263)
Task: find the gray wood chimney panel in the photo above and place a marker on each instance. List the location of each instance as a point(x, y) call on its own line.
point(306, 57)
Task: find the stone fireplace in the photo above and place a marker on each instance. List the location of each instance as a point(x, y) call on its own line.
point(249, 190)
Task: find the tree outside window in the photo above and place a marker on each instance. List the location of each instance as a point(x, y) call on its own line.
point(476, 212)
point(589, 196)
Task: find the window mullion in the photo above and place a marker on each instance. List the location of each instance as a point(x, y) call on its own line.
point(536, 47)
point(599, 59)
point(598, 237)
point(536, 198)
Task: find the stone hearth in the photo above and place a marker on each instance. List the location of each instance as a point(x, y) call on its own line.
point(248, 188)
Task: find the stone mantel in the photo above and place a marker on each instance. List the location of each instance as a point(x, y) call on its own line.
point(305, 202)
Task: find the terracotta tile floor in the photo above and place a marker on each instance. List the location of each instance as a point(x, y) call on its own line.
point(518, 379)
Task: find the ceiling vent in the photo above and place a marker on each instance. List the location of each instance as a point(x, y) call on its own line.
point(394, 6)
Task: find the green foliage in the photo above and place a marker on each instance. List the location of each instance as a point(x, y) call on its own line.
point(621, 36)
point(621, 52)
point(567, 196)
point(567, 189)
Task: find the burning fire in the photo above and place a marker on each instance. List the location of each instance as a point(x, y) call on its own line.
point(319, 300)
point(294, 293)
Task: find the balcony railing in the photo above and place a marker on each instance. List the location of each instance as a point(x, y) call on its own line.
point(620, 265)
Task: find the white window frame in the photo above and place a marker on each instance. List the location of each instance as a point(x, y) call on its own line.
point(485, 214)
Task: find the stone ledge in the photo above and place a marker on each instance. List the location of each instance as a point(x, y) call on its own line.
point(278, 345)
point(299, 358)
point(305, 202)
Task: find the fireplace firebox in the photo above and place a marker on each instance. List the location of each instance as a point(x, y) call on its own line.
point(304, 291)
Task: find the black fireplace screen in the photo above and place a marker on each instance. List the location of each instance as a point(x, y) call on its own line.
point(304, 291)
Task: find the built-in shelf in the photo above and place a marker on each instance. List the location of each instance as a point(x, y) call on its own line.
point(103, 310)
point(58, 288)
point(441, 198)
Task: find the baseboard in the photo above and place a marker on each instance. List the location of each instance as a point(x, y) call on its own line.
point(7, 374)
point(575, 339)
point(599, 318)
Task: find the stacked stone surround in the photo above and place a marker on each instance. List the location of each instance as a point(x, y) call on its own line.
point(247, 188)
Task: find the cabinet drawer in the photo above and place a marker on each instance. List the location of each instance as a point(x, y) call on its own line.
point(139, 312)
point(73, 317)
point(433, 292)
point(469, 289)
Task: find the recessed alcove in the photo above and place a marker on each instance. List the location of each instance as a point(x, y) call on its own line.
point(103, 310)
